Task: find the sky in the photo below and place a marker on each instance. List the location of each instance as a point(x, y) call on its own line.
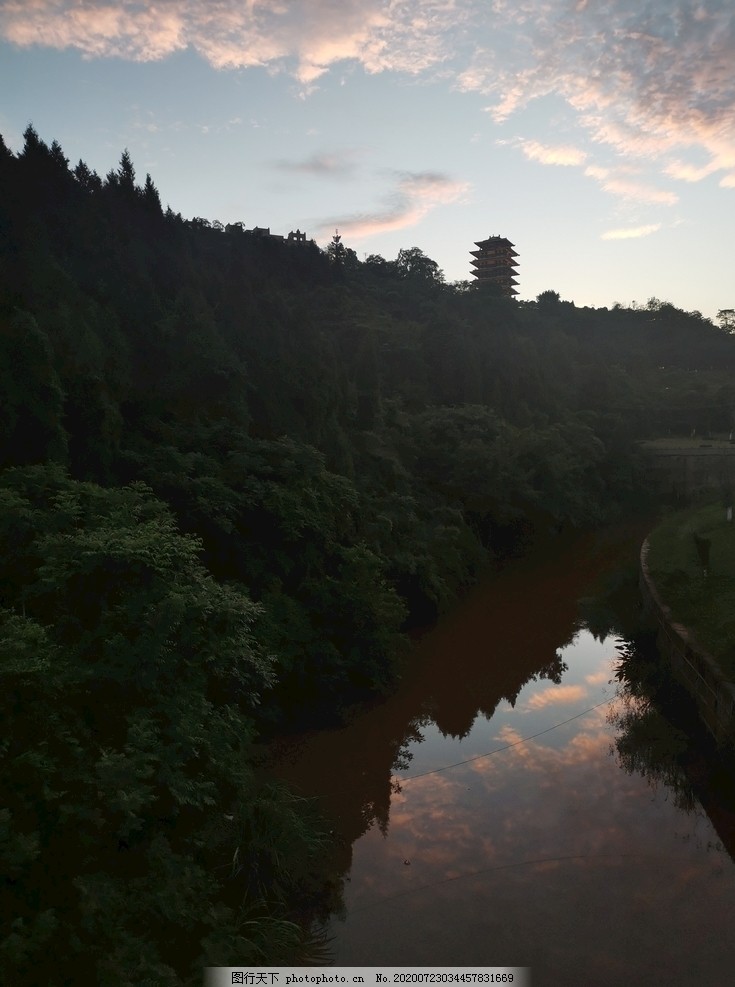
point(597, 135)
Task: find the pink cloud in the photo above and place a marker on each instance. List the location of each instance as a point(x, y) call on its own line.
point(414, 197)
point(557, 695)
point(645, 80)
point(305, 36)
point(128, 30)
point(598, 678)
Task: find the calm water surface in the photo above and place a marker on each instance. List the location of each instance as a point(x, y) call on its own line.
point(486, 816)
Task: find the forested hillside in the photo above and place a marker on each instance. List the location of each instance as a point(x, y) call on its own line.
point(233, 471)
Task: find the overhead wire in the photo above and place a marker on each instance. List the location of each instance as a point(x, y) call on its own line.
point(497, 867)
point(505, 747)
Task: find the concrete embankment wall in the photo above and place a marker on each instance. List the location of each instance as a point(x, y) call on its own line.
point(688, 472)
point(692, 666)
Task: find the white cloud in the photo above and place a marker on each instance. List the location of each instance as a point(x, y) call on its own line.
point(553, 155)
point(631, 232)
point(686, 172)
point(617, 182)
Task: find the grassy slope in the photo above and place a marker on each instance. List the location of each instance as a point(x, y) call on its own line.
point(704, 604)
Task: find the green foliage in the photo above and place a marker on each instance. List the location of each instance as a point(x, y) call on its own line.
point(700, 602)
point(129, 677)
point(31, 428)
point(562, 464)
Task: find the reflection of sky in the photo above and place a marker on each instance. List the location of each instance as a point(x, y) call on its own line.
point(539, 705)
point(543, 854)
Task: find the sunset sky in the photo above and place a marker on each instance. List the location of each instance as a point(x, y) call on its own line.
point(599, 137)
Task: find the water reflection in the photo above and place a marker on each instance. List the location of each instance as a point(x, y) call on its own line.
point(544, 853)
point(673, 750)
point(646, 742)
point(484, 816)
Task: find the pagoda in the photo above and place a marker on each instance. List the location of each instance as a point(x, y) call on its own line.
point(495, 264)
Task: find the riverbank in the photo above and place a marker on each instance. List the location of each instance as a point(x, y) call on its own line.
point(687, 580)
point(702, 602)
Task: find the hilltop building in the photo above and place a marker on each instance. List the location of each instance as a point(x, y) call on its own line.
point(495, 264)
point(264, 233)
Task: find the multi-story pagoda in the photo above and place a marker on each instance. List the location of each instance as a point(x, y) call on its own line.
point(495, 264)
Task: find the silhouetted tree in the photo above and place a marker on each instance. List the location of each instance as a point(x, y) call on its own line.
point(413, 263)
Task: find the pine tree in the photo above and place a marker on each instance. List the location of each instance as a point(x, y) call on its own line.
point(126, 174)
point(88, 180)
point(151, 198)
point(336, 250)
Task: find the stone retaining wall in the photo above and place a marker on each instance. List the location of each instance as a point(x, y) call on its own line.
point(686, 472)
point(692, 666)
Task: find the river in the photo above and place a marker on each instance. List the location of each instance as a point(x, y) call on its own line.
point(506, 805)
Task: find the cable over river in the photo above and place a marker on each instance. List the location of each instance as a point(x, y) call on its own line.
point(518, 803)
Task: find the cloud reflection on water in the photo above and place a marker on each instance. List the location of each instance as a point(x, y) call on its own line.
point(556, 852)
point(557, 695)
point(546, 854)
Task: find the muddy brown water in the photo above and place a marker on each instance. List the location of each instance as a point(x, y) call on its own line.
point(484, 816)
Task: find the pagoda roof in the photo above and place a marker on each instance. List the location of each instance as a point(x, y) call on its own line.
point(496, 240)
